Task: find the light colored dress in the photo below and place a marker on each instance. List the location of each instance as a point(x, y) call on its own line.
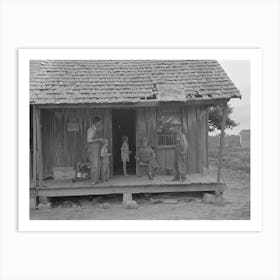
point(125, 152)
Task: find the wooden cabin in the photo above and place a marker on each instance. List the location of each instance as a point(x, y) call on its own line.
point(137, 98)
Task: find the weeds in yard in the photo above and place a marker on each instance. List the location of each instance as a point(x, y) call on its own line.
point(234, 158)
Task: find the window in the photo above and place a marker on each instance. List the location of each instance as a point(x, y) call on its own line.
point(167, 116)
point(166, 140)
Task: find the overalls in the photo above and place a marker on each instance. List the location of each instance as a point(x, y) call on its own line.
point(180, 159)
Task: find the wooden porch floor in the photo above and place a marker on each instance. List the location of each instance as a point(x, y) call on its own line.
point(130, 184)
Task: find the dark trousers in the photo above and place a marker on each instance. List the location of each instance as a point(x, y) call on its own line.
point(180, 166)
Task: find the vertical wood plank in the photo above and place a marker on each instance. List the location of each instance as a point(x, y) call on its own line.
point(137, 137)
point(151, 125)
point(39, 139)
point(161, 161)
point(192, 136)
point(207, 137)
point(141, 129)
point(107, 133)
point(184, 111)
point(221, 143)
point(34, 116)
point(47, 141)
point(201, 138)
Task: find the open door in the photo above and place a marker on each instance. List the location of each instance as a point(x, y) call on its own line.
point(123, 122)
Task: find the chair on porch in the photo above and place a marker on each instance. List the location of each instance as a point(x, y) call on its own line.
point(145, 160)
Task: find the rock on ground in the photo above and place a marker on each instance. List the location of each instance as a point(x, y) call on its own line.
point(130, 204)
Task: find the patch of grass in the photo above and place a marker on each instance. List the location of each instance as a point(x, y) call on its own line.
point(234, 158)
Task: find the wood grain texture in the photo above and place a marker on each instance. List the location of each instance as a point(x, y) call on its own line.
point(39, 144)
point(61, 147)
point(145, 127)
point(192, 139)
point(151, 125)
point(131, 184)
point(47, 142)
point(66, 147)
point(34, 128)
point(184, 110)
point(207, 137)
point(107, 133)
point(201, 137)
point(219, 173)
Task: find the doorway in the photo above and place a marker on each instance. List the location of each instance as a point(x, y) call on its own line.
point(123, 122)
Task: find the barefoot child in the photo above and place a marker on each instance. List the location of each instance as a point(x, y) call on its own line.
point(105, 161)
point(125, 153)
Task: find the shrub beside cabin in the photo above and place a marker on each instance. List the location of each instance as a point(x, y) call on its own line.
point(137, 98)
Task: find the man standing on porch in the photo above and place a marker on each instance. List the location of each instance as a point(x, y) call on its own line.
point(93, 149)
point(180, 154)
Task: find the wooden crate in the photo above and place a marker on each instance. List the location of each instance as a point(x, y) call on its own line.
point(63, 172)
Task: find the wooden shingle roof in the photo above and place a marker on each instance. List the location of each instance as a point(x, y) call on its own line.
point(127, 81)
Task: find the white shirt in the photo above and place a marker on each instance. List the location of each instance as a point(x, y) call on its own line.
point(91, 133)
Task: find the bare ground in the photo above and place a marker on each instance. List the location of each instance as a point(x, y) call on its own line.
point(237, 207)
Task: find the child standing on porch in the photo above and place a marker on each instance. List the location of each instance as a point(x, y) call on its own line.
point(105, 161)
point(125, 153)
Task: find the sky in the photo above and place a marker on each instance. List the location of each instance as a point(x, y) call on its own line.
point(239, 73)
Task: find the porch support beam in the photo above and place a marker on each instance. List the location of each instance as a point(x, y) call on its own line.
point(222, 136)
point(39, 139)
point(34, 119)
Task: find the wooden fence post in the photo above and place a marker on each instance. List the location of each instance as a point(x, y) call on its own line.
point(224, 117)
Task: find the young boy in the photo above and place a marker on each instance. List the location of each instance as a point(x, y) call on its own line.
point(105, 161)
point(125, 153)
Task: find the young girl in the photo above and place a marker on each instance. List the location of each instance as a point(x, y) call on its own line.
point(125, 153)
point(146, 155)
point(105, 161)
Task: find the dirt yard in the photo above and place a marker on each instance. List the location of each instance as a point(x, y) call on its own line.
point(181, 206)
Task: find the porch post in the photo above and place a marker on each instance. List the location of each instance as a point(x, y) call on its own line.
point(221, 142)
point(34, 116)
point(40, 158)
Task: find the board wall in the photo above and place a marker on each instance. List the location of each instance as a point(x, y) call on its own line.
point(64, 144)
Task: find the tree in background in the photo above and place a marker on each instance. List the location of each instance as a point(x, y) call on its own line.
point(215, 118)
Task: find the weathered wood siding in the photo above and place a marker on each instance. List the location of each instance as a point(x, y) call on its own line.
point(145, 126)
point(48, 147)
point(62, 147)
point(195, 124)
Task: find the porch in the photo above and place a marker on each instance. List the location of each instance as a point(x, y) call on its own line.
point(130, 184)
